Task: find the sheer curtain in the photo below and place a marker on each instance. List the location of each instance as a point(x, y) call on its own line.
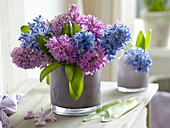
point(11, 17)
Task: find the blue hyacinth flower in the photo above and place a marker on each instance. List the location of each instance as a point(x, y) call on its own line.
point(84, 41)
point(138, 59)
point(115, 39)
point(39, 27)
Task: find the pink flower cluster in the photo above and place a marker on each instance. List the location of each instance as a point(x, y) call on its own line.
point(88, 22)
point(41, 118)
point(29, 58)
point(62, 49)
point(92, 61)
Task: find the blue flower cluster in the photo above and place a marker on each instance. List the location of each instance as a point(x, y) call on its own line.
point(138, 59)
point(84, 41)
point(115, 39)
point(39, 27)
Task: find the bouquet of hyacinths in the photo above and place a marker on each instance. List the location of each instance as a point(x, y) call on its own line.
point(83, 44)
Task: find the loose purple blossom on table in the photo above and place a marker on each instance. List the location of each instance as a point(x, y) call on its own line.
point(29, 115)
point(138, 59)
point(42, 118)
point(51, 117)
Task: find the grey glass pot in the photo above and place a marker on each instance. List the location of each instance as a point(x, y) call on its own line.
point(61, 101)
point(128, 80)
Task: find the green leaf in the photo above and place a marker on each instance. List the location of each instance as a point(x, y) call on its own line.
point(66, 30)
point(119, 109)
point(105, 107)
point(93, 116)
point(42, 41)
point(49, 69)
point(25, 29)
point(76, 85)
point(128, 46)
point(101, 111)
point(69, 69)
point(140, 42)
point(76, 28)
point(48, 79)
point(70, 28)
point(113, 110)
point(148, 39)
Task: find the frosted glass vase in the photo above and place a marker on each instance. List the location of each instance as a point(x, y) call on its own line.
point(61, 101)
point(128, 80)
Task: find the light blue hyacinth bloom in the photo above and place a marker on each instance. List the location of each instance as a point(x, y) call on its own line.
point(84, 41)
point(38, 27)
point(115, 39)
point(138, 59)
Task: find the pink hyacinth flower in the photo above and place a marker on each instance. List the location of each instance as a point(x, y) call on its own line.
point(51, 117)
point(119, 23)
point(29, 115)
point(42, 113)
point(41, 120)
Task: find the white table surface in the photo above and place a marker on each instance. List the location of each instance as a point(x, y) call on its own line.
point(39, 97)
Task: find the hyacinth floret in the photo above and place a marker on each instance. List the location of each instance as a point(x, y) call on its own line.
point(29, 58)
point(74, 14)
point(62, 49)
point(94, 25)
point(115, 39)
point(92, 61)
point(84, 41)
point(138, 59)
point(59, 22)
point(39, 27)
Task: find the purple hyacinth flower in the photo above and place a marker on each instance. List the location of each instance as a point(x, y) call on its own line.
point(41, 121)
point(94, 25)
point(29, 115)
point(59, 22)
point(51, 117)
point(62, 49)
point(92, 61)
point(29, 58)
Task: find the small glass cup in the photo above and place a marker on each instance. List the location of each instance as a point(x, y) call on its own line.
point(128, 80)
